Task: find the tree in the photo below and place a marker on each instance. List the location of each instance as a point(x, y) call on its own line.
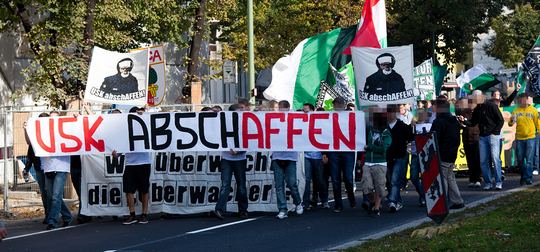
point(279, 25)
point(61, 33)
point(515, 34)
point(448, 26)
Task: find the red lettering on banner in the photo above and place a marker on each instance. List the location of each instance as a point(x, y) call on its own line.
point(63, 146)
point(290, 127)
point(51, 148)
point(312, 131)
point(338, 134)
point(154, 56)
point(246, 136)
point(268, 123)
point(89, 141)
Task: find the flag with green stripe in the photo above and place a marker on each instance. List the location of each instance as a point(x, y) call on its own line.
point(478, 78)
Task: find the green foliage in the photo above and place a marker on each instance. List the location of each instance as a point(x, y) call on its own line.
point(515, 34)
point(453, 23)
point(279, 25)
point(54, 30)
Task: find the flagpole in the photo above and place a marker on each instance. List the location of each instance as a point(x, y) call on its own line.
point(251, 53)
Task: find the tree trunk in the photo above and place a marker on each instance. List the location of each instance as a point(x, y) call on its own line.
point(196, 41)
point(89, 29)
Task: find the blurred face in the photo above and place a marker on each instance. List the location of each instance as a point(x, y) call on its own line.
point(339, 107)
point(421, 116)
point(402, 109)
point(274, 107)
point(392, 116)
point(54, 114)
point(522, 102)
point(496, 95)
point(306, 109)
point(420, 105)
point(241, 107)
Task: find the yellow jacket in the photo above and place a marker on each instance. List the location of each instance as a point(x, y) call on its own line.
point(527, 122)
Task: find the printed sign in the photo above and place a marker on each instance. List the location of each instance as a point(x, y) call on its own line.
point(424, 80)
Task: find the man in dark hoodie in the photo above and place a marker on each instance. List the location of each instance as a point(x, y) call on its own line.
point(446, 127)
point(396, 157)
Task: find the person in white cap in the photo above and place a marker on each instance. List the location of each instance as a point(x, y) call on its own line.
point(123, 82)
point(385, 80)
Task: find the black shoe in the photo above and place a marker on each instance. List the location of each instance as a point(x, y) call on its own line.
point(338, 210)
point(244, 215)
point(457, 206)
point(130, 220)
point(365, 205)
point(353, 204)
point(529, 182)
point(50, 227)
point(44, 221)
point(66, 223)
point(143, 219)
point(376, 212)
point(219, 214)
point(81, 219)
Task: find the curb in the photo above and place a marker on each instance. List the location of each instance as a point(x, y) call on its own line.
point(420, 221)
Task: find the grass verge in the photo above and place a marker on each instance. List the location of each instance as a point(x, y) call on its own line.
point(510, 223)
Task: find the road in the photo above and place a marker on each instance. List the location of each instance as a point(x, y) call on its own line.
point(315, 230)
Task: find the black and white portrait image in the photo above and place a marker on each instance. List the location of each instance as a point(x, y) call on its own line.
point(118, 78)
point(384, 75)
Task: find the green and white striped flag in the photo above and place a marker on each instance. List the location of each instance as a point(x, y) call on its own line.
point(478, 77)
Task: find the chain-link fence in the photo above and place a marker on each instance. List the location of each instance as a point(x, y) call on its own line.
point(18, 190)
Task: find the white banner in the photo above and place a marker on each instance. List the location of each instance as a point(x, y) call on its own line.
point(384, 76)
point(424, 80)
point(117, 78)
point(204, 131)
point(180, 183)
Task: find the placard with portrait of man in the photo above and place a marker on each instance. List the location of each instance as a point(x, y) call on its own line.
point(117, 78)
point(384, 76)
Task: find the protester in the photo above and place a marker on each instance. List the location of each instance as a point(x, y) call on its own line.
point(405, 114)
point(217, 108)
point(421, 125)
point(76, 175)
point(489, 119)
point(446, 127)
point(374, 169)
point(396, 157)
point(313, 170)
point(207, 109)
point(245, 103)
point(284, 167)
point(136, 178)
point(470, 138)
point(273, 105)
point(56, 170)
point(526, 118)
point(342, 163)
point(33, 161)
point(233, 162)
point(505, 102)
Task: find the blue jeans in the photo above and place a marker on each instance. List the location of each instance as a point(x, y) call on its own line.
point(525, 156)
point(55, 182)
point(40, 179)
point(314, 171)
point(415, 175)
point(282, 175)
point(399, 174)
point(228, 168)
point(342, 163)
point(536, 163)
point(490, 153)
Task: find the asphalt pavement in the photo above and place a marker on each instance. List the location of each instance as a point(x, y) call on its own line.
point(316, 230)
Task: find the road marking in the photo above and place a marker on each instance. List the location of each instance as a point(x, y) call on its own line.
point(41, 232)
point(223, 225)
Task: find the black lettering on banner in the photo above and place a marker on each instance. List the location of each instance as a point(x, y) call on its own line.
point(93, 194)
point(175, 163)
point(115, 195)
point(189, 164)
point(180, 145)
point(226, 134)
point(114, 165)
point(160, 162)
point(105, 194)
point(214, 163)
point(267, 191)
point(254, 193)
point(201, 159)
point(261, 164)
point(132, 138)
point(169, 195)
point(250, 163)
point(157, 192)
point(182, 196)
point(202, 135)
point(213, 192)
point(160, 131)
point(197, 192)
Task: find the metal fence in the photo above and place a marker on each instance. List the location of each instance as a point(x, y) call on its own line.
point(15, 190)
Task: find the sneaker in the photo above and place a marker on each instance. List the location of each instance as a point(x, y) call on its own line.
point(143, 219)
point(26, 176)
point(66, 223)
point(219, 214)
point(457, 206)
point(282, 215)
point(392, 206)
point(477, 184)
point(244, 215)
point(535, 172)
point(299, 209)
point(529, 182)
point(325, 205)
point(487, 187)
point(130, 220)
point(307, 208)
point(472, 184)
point(50, 227)
point(376, 212)
point(399, 206)
point(338, 210)
point(498, 186)
point(422, 202)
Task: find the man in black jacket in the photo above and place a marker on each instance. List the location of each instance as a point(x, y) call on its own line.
point(489, 119)
point(396, 157)
point(446, 127)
